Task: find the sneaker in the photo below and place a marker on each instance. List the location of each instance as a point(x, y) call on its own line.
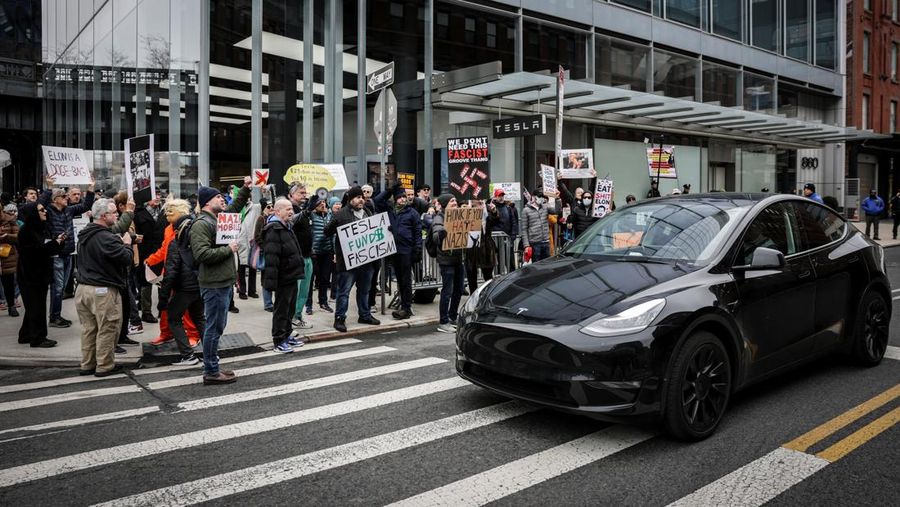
point(283, 347)
point(301, 324)
point(446, 328)
point(159, 340)
point(188, 360)
point(116, 369)
point(65, 321)
point(128, 341)
point(369, 320)
point(84, 373)
point(138, 329)
point(120, 350)
point(221, 378)
point(149, 318)
point(340, 324)
point(295, 341)
point(2, 306)
point(269, 309)
point(60, 323)
point(309, 310)
point(326, 308)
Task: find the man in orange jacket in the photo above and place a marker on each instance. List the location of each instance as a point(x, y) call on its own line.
point(158, 258)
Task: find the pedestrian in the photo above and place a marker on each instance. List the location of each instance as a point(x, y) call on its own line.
point(504, 217)
point(217, 274)
point(59, 221)
point(131, 323)
point(423, 198)
point(302, 229)
point(582, 210)
point(686, 188)
point(406, 227)
point(298, 196)
point(150, 225)
point(336, 206)
point(895, 211)
point(284, 267)
point(630, 199)
point(267, 210)
point(873, 206)
point(809, 190)
point(323, 251)
point(9, 256)
point(35, 272)
point(451, 266)
point(345, 278)
point(246, 280)
point(536, 228)
point(102, 263)
point(654, 189)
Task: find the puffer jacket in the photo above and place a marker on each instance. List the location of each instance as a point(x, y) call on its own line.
point(535, 226)
point(321, 243)
point(10, 228)
point(284, 261)
point(179, 274)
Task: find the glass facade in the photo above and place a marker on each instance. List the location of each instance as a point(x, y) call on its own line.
point(758, 93)
point(684, 11)
point(720, 84)
point(727, 18)
point(622, 63)
point(675, 75)
point(797, 30)
point(764, 26)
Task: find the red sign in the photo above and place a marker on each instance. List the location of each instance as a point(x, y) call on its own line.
point(260, 177)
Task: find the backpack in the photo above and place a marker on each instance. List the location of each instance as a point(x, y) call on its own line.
point(183, 239)
point(431, 244)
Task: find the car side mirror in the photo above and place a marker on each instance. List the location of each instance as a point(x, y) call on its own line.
point(763, 258)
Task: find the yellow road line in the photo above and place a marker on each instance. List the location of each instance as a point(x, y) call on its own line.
point(807, 440)
point(861, 436)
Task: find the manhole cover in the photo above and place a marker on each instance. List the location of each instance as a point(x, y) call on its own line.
point(226, 342)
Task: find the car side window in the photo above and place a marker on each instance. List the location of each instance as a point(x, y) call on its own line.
point(775, 227)
point(820, 226)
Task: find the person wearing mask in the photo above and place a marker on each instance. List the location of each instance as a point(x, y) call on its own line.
point(9, 256)
point(654, 189)
point(217, 274)
point(267, 210)
point(284, 267)
point(59, 221)
point(504, 217)
point(302, 229)
point(323, 251)
point(35, 271)
point(536, 228)
point(873, 206)
point(246, 279)
point(582, 211)
point(809, 190)
point(895, 211)
point(101, 263)
point(346, 278)
point(453, 274)
point(406, 227)
point(150, 224)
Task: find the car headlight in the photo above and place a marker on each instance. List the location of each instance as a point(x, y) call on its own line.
point(472, 302)
point(632, 320)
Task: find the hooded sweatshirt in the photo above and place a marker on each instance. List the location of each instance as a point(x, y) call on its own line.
point(102, 258)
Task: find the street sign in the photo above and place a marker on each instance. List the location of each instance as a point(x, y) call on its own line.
point(391, 113)
point(379, 79)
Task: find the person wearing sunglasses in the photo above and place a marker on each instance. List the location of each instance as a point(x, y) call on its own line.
point(34, 272)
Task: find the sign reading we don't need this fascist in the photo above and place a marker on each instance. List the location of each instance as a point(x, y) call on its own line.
point(366, 240)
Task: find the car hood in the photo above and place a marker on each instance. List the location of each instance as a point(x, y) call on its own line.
point(567, 290)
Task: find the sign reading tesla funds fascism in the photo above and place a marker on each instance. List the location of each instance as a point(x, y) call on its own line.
point(469, 165)
point(66, 166)
point(366, 240)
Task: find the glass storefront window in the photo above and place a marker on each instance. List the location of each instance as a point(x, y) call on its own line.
point(758, 93)
point(764, 24)
point(727, 18)
point(797, 30)
point(546, 47)
point(684, 11)
point(720, 84)
point(464, 37)
point(621, 62)
point(643, 5)
point(675, 75)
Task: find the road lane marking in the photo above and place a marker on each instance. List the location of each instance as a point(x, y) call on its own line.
point(860, 436)
point(111, 416)
point(100, 457)
point(757, 482)
point(268, 368)
point(807, 440)
point(60, 398)
point(247, 479)
point(892, 352)
point(521, 474)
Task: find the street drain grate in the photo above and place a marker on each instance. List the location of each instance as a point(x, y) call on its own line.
point(227, 342)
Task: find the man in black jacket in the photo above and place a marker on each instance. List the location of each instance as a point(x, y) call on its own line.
point(284, 266)
point(407, 230)
point(360, 275)
point(101, 264)
point(150, 224)
point(302, 227)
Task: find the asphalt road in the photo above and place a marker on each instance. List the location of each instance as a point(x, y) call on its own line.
point(386, 420)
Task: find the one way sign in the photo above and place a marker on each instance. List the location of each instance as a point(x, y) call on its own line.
point(379, 79)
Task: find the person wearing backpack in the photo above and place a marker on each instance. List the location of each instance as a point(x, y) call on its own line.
point(453, 276)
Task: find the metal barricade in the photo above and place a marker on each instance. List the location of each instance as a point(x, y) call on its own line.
point(507, 258)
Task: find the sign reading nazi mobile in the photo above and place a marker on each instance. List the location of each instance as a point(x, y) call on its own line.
point(228, 227)
point(366, 240)
point(520, 126)
point(379, 79)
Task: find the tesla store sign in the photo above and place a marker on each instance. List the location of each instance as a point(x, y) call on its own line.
point(520, 126)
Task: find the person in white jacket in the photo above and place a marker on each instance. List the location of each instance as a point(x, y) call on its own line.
point(246, 279)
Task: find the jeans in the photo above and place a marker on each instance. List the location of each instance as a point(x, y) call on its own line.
point(540, 251)
point(452, 279)
point(62, 269)
point(267, 298)
point(303, 285)
point(362, 276)
point(403, 269)
point(323, 265)
point(285, 301)
point(870, 220)
point(215, 308)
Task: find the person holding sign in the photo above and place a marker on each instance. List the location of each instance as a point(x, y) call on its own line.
point(217, 274)
point(284, 267)
point(536, 228)
point(360, 275)
point(453, 276)
point(582, 208)
point(407, 229)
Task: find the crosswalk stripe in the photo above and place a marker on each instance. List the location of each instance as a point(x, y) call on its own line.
point(523, 473)
point(247, 479)
point(268, 368)
point(111, 416)
point(90, 459)
point(305, 385)
point(757, 482)
point(60, 398)
point(81, 379)
point(892, 353)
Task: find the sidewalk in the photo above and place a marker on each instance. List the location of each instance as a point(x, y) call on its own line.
point(251, 328)
point(884, 231)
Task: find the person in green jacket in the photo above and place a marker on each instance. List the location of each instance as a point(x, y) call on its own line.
point(217, 274)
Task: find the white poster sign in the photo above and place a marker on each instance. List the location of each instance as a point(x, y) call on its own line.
point(548, 178)
point(228, 227)
point(577, 164)
point(366, 240)
point(67, 166)
point(603, 198)
point(79, 223)
point(512, 191)
point(140, 173)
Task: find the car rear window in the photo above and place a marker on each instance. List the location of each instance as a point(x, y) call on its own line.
point(820, 225)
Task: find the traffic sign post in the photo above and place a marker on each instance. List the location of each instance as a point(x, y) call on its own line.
point(381, 78)
point(385, 123)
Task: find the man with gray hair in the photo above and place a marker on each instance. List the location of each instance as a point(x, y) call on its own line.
point(101, 261)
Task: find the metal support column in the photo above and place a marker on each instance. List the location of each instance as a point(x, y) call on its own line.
point(308, 34)
point(361, 92)
point(203, 97)
point(330, 41)
point(428, 148)
point(256, 85)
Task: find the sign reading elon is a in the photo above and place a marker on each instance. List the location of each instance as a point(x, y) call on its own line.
point(520, 126)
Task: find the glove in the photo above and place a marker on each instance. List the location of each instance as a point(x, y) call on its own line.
point(528, 252)
point(417, 256)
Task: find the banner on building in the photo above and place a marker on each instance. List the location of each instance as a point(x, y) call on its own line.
point(577, 164)
point(463, 226)
point(602, 198)
point(140, 171)
point(67, 166)
point(407, 180)
point(228, 227)
point(512, 191)
point(260, 177)
point(662, 162)
point(328, 176)
point(548, 178)
point(366, 240)
point(469, 166)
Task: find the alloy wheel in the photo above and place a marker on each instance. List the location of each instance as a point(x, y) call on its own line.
point(705, 387)
point(875, 332)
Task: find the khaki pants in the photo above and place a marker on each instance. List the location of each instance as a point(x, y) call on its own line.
point(100, 312)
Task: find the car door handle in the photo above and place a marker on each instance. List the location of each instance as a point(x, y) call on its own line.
point(804, 274)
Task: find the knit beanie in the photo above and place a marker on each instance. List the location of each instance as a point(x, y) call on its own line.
point(206, 194)
point(444, 199)
point(332, 201)
point(353, 192)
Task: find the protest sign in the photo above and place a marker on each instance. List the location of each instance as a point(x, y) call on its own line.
point(79, 223)
point(577, 164)
point(662, 162)
point(461, 225)
point(548, 178)
point(512, 191)
point(260, 177)
point(603, 198)
point(469, 166)
point(228, 226)
point(407, 180)
point(366, 240)
point(67, 166)
point(140, 176)
point(328, 176)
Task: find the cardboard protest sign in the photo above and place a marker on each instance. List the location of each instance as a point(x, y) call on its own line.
point(67, 166)
point(577, 164)
point(407, 180)
point(260, 177)
point(228, 227)
point(469, 165)
point(512, 191)
point(662, 162)
point(548, 178)
point(461, 224)
point(328, 176)
point(366, 240)
point(627, 239)
point(140, 174)
point(602, 198)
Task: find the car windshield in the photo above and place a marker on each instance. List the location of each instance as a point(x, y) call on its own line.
point(682, 230)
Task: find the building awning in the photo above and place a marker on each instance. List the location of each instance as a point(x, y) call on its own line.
point(523, 93)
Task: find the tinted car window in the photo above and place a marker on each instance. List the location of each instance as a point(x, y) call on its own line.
point(775, 227)
point(820, 226)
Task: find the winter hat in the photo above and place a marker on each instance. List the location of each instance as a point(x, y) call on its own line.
point(206, 194)
point(399, 192)
point(444, 199)
point(809, 186)
point(332, 201)
point(353, 192)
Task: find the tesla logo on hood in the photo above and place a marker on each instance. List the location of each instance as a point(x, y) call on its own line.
point(521, 311)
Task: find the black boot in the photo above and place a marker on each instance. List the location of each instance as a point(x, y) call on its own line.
point(340, 324)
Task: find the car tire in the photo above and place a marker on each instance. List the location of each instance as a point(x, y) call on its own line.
point(871, 329)
point(698, 387)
